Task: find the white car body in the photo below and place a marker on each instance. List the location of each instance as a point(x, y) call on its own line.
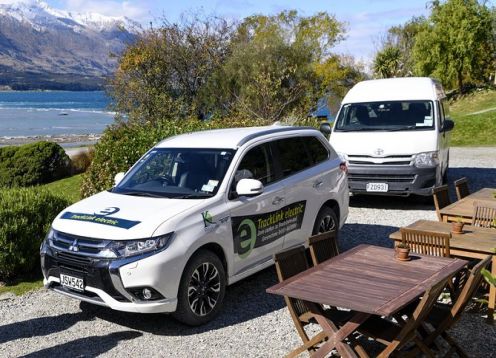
point(214, 223)
point(390, 156)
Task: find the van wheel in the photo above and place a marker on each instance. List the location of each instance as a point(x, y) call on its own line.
point(201, 290)
point(326, 220)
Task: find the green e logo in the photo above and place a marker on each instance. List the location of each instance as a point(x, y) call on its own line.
point(247, 237)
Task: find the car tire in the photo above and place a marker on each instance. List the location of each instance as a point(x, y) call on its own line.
point(326, 220)
point(201, 290)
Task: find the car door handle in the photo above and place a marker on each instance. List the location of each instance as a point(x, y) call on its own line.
point(277, 200)
point(318, 184)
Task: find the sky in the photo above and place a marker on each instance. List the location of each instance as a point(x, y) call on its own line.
point(366, 21)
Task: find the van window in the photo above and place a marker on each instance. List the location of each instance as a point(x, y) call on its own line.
point(292, 155)
point(318, 152)
point(386, 116)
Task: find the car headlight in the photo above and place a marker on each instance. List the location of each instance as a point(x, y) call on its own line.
point(119, 249)
point(426, 160)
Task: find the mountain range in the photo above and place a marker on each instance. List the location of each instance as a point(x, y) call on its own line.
point(46, 48)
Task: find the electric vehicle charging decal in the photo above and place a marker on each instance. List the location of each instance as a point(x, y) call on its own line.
point(100, 219)
point(253, 231)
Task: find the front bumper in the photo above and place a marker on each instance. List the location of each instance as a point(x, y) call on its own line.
point(102, 280)
point(402, 180)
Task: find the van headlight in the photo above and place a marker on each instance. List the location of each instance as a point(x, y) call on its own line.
point(426, 160)
point(119, 249)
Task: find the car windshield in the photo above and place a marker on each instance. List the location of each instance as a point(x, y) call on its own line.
point(386, 116)
point(177, 173)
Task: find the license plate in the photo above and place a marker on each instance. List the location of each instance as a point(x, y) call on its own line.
point(72, 282)
point(377, 187)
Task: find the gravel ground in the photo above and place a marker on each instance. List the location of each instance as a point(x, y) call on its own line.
point(252, 324)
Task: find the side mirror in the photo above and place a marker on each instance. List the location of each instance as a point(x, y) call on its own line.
point(118, 178)
point(249, 187)
point(448, 125)
point(325, 127)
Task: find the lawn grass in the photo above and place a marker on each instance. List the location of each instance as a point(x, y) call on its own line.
point(474, 129)
point(68, 187)
point(22, 286)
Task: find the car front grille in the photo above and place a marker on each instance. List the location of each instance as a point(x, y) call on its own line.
point(387, 160)
point(381, 178)
point(78, 245)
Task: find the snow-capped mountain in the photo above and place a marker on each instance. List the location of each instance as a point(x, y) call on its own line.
point(39, 42)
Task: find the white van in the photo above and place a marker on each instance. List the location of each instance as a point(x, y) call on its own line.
point(394, 134)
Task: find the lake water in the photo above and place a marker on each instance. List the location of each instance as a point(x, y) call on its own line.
point(53, 113)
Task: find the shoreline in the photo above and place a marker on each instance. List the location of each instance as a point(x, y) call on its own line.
point(64, 140)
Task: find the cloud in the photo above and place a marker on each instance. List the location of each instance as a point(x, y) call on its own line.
point(136, 10)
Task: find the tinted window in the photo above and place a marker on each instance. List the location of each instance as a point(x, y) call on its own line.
point(293, 156)
point(255, 165)
point(318, 152)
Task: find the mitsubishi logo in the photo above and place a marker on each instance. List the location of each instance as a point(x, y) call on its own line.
point(379, 151)
point(74, 246)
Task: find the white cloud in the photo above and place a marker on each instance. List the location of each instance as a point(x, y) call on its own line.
point(136, 10)
point(3, 2)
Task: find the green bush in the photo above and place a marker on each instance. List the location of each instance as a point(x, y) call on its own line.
point(25, 218)
point(32, 164)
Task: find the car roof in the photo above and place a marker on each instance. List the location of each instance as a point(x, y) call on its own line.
point(395, 89)
point(229, 138)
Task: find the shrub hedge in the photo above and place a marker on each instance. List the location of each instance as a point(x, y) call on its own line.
point(33, 164)
point(25, 218)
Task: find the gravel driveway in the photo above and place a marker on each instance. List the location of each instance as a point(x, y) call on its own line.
point(252, 324)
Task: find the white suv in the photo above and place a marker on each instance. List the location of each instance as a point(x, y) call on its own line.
point(197, 212)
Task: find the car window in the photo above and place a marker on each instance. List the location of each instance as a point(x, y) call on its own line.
point(256, 165)
point(292, 155)
point(318, 152)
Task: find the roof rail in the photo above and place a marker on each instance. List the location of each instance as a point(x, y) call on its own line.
point(271, 131)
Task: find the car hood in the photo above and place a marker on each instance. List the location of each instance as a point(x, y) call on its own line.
point(120, 217)
point(390, 143)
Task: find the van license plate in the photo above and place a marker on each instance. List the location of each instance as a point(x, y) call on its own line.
point(377, 187)
point(72, 282)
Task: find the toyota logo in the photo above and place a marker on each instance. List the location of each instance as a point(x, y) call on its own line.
point(379, 151)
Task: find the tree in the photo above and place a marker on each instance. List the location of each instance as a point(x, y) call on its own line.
point(387, 62)
point(457, 43)
point(270, 73)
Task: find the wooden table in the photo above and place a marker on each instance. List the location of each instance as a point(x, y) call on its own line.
point(475, 242)
point(366, 279)
point(464, 208)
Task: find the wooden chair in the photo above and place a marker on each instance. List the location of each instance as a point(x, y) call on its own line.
point(443, 317)
point(426, 242)
point(441, 198)
point(289, 263)
point(395, 336)
point(461, 187)
point(323, 246)
point(484, 214)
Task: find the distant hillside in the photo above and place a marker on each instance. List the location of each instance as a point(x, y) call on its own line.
point(44, 48)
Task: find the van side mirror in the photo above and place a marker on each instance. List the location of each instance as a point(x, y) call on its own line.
point(448, 125)
point(249, 187)
point(118, 178)
point(325, 128)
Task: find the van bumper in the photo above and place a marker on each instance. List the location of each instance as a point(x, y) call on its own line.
point(401, 180)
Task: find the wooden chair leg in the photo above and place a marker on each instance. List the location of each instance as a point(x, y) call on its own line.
point(454, 345)
point(423, 347)
point(307, 345)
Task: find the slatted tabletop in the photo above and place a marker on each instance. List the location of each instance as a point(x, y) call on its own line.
point(368, 279)
point(464, 208)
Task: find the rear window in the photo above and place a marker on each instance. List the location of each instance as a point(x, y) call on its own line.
point(292, 155)
point(318, 152)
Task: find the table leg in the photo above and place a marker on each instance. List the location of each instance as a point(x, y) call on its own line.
point(492, 294)
point(337, 336)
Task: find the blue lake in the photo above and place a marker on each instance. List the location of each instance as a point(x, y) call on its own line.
point(53, 113)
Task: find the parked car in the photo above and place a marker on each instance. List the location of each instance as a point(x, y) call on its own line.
point(197, 212)
point(394, 134)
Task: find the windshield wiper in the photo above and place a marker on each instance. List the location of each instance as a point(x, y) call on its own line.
point(141, 193)
point(195, 196)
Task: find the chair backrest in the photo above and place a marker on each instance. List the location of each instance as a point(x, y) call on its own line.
point(484, 214)
point(426, 242)
point(461, 187)
point(419, 315)
point(441, 198)
point(323, 246)
point(289, 263)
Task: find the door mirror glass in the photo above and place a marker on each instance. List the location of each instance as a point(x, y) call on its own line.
point(448, 125)
point(249, 187)
point(325, 128)
point(118, 177)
